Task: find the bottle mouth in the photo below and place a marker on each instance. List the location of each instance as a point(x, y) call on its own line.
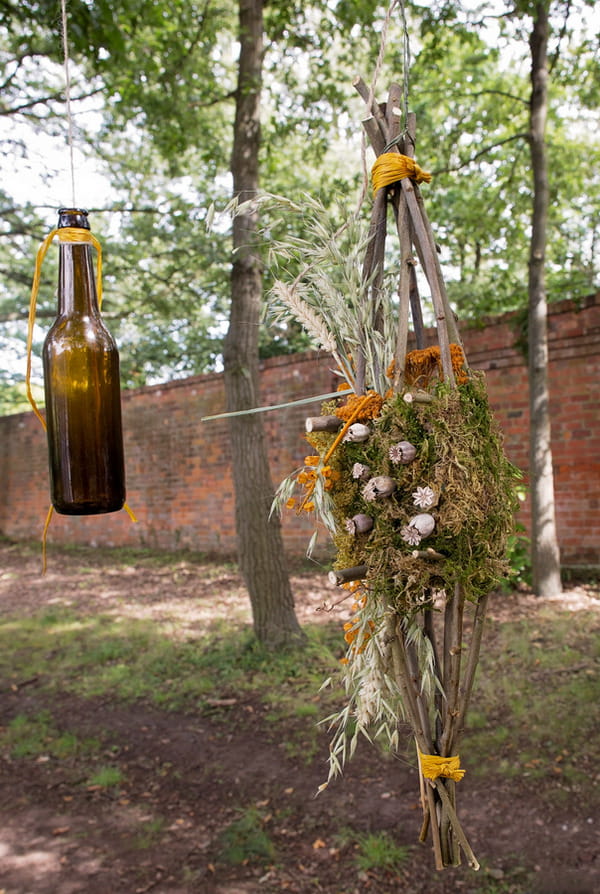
point(73, 217)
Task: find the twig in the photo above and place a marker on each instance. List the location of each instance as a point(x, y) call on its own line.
point(431, 266)
point(472, 661)
point(456, 826)
point(453, 630)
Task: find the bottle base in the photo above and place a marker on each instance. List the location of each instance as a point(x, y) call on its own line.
point(87, 508)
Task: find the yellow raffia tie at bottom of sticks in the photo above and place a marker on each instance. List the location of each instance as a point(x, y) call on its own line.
point(72, 235)
point(390, 167)
point(432, 766)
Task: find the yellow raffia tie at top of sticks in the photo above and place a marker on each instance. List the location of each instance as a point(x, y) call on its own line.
point(392, 166)
point(432, 766)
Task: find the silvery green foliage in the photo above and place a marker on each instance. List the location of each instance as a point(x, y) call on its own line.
point(326, 292)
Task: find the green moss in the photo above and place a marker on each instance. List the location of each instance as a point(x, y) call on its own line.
point(459, 456)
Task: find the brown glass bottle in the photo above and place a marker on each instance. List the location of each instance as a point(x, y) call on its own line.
point(81, 381)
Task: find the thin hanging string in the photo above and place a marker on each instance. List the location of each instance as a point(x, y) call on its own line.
point(405, 64)
point(63, 5)
point(372, 88)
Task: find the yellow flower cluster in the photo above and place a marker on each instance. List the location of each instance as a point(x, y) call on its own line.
point(352, 631)
point(422, 364)
point(370, 406)
point(308, 478)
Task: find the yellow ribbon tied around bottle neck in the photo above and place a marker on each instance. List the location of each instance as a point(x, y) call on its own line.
point(432, 766)
point(390, 167)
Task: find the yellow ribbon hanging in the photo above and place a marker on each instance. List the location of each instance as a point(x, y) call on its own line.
point(392, 166)
point(432, 766)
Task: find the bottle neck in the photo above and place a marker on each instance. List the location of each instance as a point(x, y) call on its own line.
point(76, 283)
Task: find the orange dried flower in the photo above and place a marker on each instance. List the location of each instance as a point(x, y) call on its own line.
point(422, 364)
point(370, 409)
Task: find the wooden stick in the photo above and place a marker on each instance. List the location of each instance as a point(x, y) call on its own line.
point(373, 131)
point(435, 829)
point(458, 830)
point(416, 310)
point(428, 553)
point(453, 331)
point(408, 147)
point(472, 661)
point(406, 264)
point(393, 112)
point(418, 396)
point(373, 108)
point(401, 671)
point(431, 271)
point(424, 804)
point(345, 575)
point(402, 675)
point(372, 276)
point(430, 632)
point(453, 634)
point(415, 680)
point(323, 423)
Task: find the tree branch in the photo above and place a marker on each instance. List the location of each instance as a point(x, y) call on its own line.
point(484, 151)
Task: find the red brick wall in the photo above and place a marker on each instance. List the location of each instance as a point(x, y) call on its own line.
point(178, 468)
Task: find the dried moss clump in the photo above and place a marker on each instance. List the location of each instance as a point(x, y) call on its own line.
point(459, 458)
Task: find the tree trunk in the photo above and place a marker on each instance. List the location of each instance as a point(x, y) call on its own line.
point(544, 544)
point(260, 546)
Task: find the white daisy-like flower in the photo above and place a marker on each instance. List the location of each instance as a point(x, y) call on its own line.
point(410, 535)
point(424, 497)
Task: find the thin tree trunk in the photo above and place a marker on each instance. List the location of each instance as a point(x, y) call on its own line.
point(260, 545)
point(544, 542)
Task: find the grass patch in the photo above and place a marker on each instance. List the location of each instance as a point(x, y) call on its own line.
point(131, 658)
point(32, 736)
point(533, 709)
point(149, 833)
point(533, 714)
point(378, 850)
point(246, 840)
point(106, 777)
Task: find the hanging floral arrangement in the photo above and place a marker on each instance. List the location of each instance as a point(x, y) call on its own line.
point(406, 472)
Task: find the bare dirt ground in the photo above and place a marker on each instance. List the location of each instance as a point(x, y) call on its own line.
point(186, 775)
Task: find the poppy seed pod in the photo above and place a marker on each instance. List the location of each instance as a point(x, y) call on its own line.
point(357, 433)
point(403, 452)
point(359, 524)
point(360, 471)
point(378, 488)
point(424, 524)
